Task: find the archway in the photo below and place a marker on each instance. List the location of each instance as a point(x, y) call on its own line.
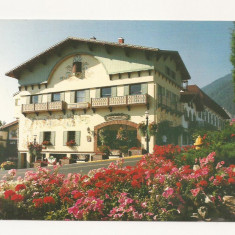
point(117, 123)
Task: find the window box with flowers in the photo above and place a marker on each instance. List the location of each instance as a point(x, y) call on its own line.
point(46, 143)
point(71, 143)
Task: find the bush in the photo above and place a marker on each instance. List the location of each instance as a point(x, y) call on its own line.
point(155, 189)
point(8, 165)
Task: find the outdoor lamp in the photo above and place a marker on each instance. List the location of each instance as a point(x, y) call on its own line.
point(147, 135)
point(34, 141)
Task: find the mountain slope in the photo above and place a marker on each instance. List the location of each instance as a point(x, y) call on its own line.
point(221, 91)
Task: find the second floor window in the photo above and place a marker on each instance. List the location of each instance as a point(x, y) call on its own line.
point(106, 92)
point(80, 96)
point(55, 97)
point(135, 89)
point(34, 99)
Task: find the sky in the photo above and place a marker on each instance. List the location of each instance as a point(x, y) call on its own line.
point(203, 45)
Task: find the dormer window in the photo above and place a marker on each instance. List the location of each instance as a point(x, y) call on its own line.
point(77, 67)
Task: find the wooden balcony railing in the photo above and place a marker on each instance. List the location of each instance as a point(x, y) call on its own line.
point(78, 106)
point(43, 107)
point(119, 101)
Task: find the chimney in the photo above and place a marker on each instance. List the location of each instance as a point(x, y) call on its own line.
point(121, 40)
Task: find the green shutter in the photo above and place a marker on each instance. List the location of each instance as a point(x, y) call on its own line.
point(40, 99)
point(62, 95)
point(48, 97)
point(114, 91)
point(65, 137)
point(126, 90)
point(72, 97)
point(52, 139)
point(77, 137)
point(144, 88)
point(87, 95)
point(28, 100)
point(40, 137)
point(97, 93)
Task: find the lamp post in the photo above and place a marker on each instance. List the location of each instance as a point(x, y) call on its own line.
point(147, 135)
point(34, 140)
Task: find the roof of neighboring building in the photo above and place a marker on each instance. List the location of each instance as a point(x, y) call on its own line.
point(9, 124)
point(73, 41)
point(195, 91)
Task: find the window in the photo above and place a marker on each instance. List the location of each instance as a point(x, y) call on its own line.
point(55, 97)
point(77, 67)
point(135, 89)
point(47, 136)
point(80, 96)
point(71, 135)
point(34, 99)
point(106, 92)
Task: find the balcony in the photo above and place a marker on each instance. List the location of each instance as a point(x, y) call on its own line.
point(129, 100)
point(78, 106)
point(44, 107)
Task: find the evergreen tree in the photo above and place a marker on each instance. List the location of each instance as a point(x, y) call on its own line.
point(232, 57)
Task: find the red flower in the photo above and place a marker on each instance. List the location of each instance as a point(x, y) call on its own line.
point(203, 183)
point(231, 181)
point(49, 200)
point(78, 195)
point(20, 187)
point(9, 193)
point(99, 184)
point(135, 183)
point(219, 178)
point(17, 198)
point(38, 202)
point(178, 184)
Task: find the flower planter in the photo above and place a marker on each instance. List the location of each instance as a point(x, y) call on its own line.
point(38, 164)
point(132, 152)
point(65, 161)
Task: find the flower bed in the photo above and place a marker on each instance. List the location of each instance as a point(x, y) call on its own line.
point(155, 189)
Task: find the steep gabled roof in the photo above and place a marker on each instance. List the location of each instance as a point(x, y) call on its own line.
point(74, 41)
point(206, 100)
point(9, 124)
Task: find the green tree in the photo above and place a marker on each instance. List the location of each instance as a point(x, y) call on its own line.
point(232, 57)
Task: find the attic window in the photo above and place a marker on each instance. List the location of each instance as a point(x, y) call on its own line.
point(77, 67)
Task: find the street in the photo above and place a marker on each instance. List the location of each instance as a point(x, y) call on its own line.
point(82, 168)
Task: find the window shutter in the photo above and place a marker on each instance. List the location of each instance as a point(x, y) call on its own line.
point(52, 139)
point(77, 137)
point(41, 137)
point(114, 91)
point(28, 99)
point(97, 93)
point(72, 97)
point(87, 95)
point(40, 99)
point(144, 88)
point(126, 90)
point(48, 97)
point(65, 137)
point(62, 96)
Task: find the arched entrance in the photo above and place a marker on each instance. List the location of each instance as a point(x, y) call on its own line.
point(128, 125)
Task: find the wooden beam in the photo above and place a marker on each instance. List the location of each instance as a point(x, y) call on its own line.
point(32, 87)
point(139, 73)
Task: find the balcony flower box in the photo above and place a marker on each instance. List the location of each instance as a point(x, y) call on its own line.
point(71, 143)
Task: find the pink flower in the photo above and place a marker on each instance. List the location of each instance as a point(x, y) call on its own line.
point(168, 192)
point(195, 191)
point(12, 172)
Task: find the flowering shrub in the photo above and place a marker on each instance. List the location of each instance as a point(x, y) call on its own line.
point(155, 189)
point(8, 165)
